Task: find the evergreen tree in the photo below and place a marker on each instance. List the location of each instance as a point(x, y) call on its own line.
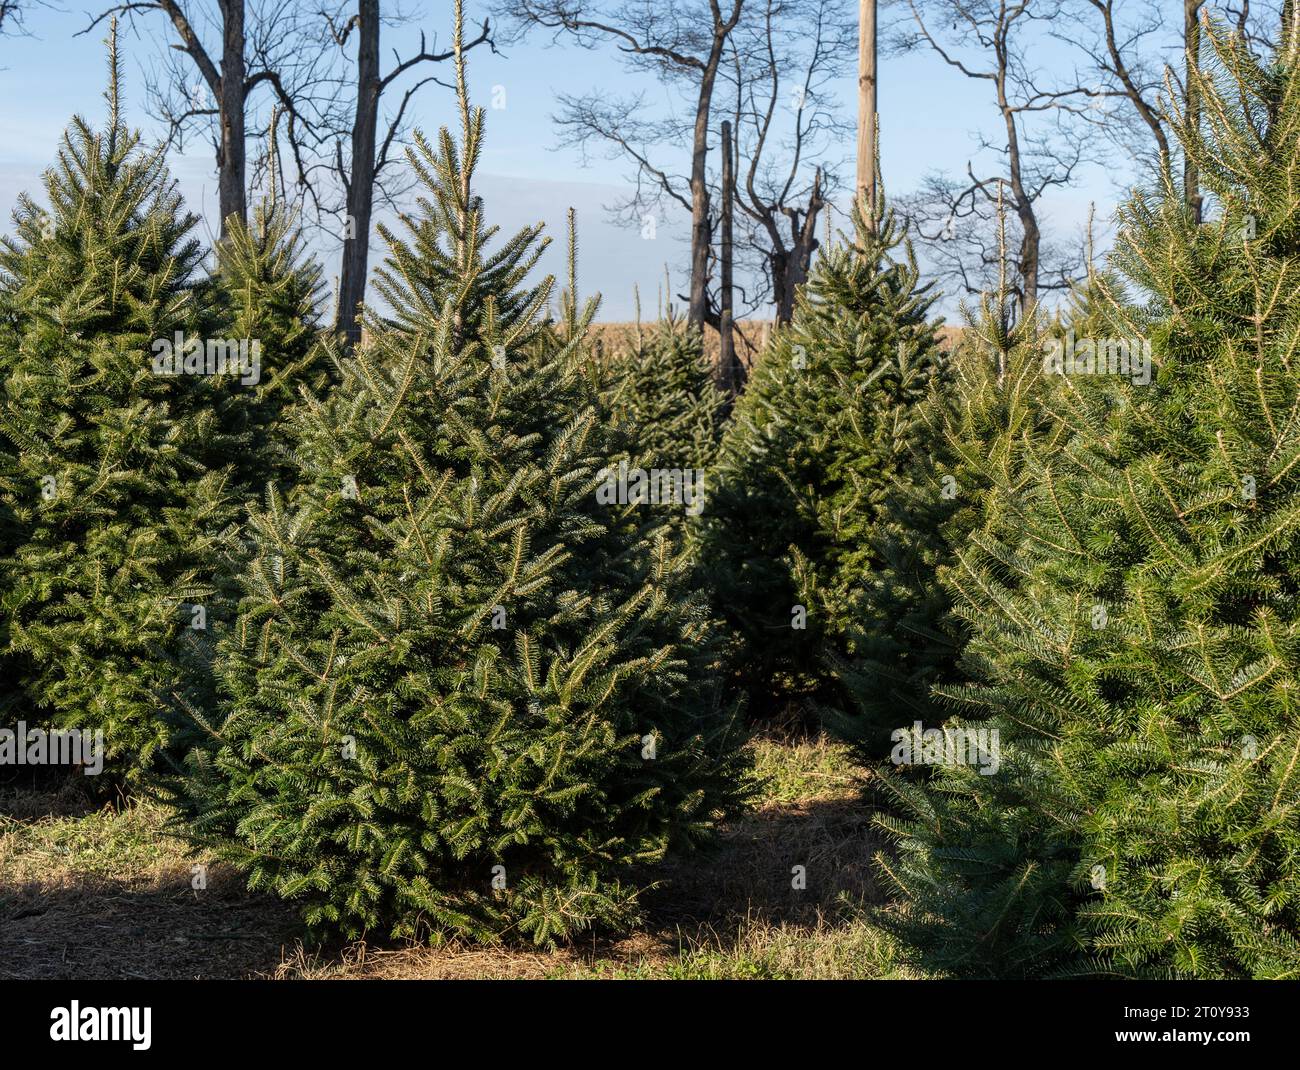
point(107, 504)
point(270, 291)
point(818, 444)
point(266, 297)
point(10, 527)
point(457, 699)
point(664, 395)
point(1139, 657)
point(979, 420)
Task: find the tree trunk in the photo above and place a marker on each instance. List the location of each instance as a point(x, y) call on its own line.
point(230, 157)
point(790, 267)
point(867, 115)
point(361, 182)
point(700, 237)
point(1192, 42)
point(730, 373)
point(1030, 240)
point(778, 261)
point(1030, 235)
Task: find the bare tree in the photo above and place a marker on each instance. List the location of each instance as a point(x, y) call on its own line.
point(1143, 54)
point(1140, 53)
point(1040, 143)
point(205, 80)
point(786, 61)
point(12, 14)
point(1258, 23)
point(361, 173)
point(1122, 43)
point(683, 43)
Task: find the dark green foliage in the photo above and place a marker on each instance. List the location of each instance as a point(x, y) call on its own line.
point(451, 665)
point(270, 293)
point(663, 395)
point(666, 396)
point(11, 529)
point(1138, 649)
point(968, 466)
point(266, 292)
point(105, 502)
point(819, 443)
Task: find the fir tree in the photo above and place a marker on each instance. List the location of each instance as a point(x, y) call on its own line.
point(10, 526)
point(664, 395)
point(1138, 657)
point(979, 420)
point(270, 290)
point(106, 501)
point(818, 444)
point(266, 293)
point(458, 700)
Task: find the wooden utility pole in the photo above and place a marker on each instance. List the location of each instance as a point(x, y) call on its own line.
point(730, 372)
point(867, 118)
point(1192, 43)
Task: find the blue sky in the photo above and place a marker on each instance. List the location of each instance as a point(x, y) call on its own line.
point(928, 114)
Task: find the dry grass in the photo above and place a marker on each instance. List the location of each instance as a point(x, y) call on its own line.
point(610, 339)
point(105, 894)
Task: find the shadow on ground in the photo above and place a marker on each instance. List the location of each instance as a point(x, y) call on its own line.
point(159, 928)
point(135, 913)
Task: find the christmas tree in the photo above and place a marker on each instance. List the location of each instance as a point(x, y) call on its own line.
point(107, 504)
point(270, 290)
point(458, 700)
point(1136, 667)
point(979, 420)
point(664, 395)
point(266, 293)
point(819, 443)
point(11, 696)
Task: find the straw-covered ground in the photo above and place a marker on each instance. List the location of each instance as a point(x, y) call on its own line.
point(105, 893)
